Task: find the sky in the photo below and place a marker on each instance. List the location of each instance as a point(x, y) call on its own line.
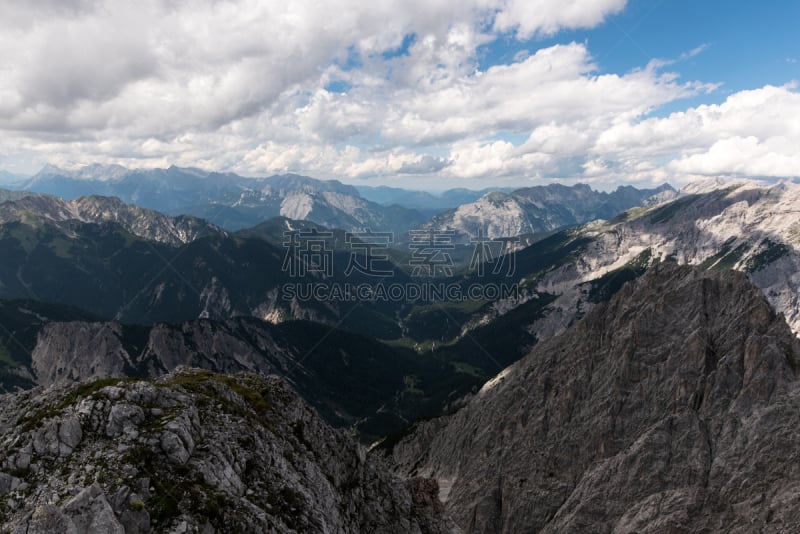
point(423, 94)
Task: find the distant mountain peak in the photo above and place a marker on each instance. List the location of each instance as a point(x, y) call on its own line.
point(50, 169)
point(93, 171)
point(194, 171)
point(709, 184)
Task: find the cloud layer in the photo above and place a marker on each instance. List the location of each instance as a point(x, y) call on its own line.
point(375, 90)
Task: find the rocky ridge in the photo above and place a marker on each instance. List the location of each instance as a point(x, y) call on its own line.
point(673, 408)
point(745, 225)
point(144, 223)
point(193, 452)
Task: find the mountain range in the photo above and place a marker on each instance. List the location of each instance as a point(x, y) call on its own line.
point(228, 200)
point(425, 202)
point(743, 225)
point(96, 263)
point(236, 202)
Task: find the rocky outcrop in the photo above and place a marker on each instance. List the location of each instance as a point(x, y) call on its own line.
point(672, 408)
point(73, 351)
point(193, 452)
point(79, 351)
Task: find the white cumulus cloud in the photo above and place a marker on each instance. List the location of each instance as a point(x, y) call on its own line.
point(363, 90)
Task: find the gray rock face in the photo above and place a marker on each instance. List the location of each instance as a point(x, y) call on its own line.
point(77, 350)
point(80, 351)
point(90, 512)
point(193, 452)
point(672, 408)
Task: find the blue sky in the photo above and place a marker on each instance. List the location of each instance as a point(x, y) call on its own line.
point(743, 45)
point(422, 93)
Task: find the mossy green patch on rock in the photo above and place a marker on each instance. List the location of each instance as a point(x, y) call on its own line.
point(248, 387)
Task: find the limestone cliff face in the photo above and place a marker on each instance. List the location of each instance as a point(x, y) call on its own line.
point(672, 408)
point(193, 451)
point(68, 352)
